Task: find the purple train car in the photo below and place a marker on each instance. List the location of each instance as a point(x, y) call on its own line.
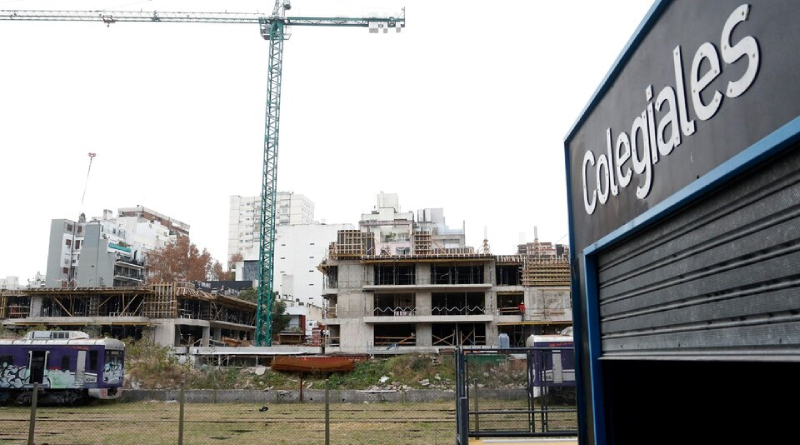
point(69, 367)
point(553, 362)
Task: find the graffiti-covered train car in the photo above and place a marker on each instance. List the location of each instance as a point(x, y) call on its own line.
point(68, 366)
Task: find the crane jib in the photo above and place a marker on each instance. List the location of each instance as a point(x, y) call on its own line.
point(193, 17)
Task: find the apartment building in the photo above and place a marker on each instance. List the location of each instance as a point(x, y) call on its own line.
point(107, 251)
point(244, 219)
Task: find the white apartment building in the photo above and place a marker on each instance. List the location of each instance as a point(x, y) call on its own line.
point(391, 228)
point(245, 214)
point(147, 229)
point(9, 283)
point(299, 249)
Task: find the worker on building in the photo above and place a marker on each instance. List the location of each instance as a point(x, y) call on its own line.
point(522, 310)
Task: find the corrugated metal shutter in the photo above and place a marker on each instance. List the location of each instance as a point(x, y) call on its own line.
point(720, 279)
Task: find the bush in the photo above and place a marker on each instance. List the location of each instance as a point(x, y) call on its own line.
point(152, 366)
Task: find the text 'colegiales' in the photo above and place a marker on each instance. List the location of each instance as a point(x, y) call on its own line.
point(637, 152)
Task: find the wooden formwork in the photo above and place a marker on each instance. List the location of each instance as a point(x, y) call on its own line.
point(422, 243)
point(541, 273)
point(352, 244)
point(162, 303)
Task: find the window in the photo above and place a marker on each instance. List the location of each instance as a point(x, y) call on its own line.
point(68, 242)
point(77, 244)
point(114, 360)
point(69, 227)
point(64, 270)
point(64, 362)
point(93, 360)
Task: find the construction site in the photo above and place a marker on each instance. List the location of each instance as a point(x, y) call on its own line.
point(171, 314)
point(438, 297)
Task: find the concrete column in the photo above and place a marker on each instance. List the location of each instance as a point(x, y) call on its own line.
point(164, 333)
point(423, 303)
point(489, 300)
point(356, 337)
point(489, 275)
point(424, 334)
point(206, 336)
point(36, 307)
point(492, 334)
point(423, 272)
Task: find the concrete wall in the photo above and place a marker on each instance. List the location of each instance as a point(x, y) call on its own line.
point(549, 303)
point(96, 264)
point(164, 332)
point(55, 263)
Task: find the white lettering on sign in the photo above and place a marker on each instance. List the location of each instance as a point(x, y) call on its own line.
point(647, 142)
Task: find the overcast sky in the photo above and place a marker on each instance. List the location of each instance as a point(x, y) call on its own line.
point(466, 109)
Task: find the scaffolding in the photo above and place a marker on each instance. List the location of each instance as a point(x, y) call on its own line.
point(163, 303)
point(422, 243)
point(546, 273)
point(351, 244)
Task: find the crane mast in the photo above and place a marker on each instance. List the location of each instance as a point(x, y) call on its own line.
point(273, 29)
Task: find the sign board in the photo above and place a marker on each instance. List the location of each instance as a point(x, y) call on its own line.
point(700, 113)
point(705, 81)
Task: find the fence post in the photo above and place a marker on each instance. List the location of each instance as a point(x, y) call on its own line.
point(462, 423)
point(327, 415)
point(475, 400)
point(181, 400)
point(32, 424)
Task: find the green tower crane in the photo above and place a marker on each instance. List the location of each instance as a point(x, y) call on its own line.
point(273, 29)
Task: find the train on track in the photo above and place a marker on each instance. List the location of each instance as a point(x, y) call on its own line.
point(553, 364)
point(69, 366)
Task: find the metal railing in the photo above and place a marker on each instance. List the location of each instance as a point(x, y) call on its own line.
point(539, 398)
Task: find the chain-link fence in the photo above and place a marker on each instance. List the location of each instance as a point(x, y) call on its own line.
point(237, 416)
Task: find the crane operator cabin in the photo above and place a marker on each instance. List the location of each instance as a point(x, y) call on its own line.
point(683, 180)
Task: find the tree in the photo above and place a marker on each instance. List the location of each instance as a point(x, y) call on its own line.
point(235, 258)
point(217, 273)
point(179, 261)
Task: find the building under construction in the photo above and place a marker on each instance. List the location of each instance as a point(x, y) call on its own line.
point(399, 284)
point(171, 314)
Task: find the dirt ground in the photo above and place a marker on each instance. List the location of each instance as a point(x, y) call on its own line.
point(158, 423)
